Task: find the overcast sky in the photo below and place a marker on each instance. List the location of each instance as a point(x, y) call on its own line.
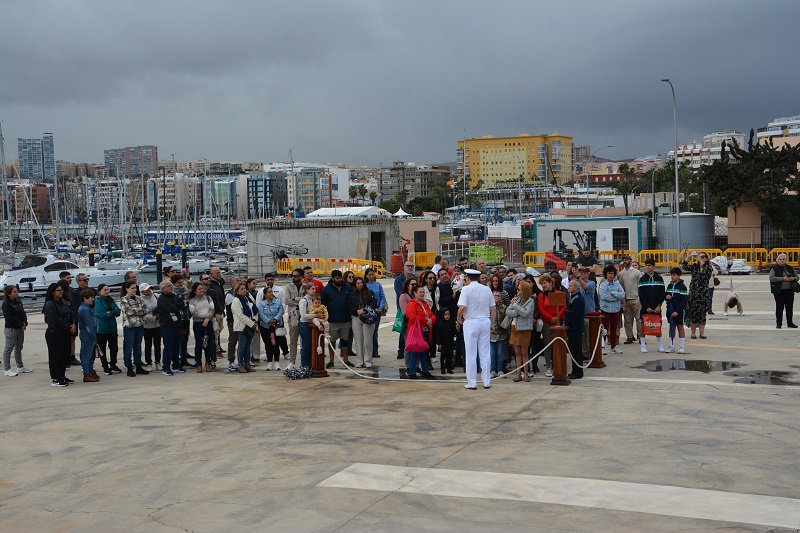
point(363, 82)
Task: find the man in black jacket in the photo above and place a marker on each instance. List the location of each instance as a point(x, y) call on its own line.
point(216, 290)
point(169, 319)
point(576, 309)
point(334, 296)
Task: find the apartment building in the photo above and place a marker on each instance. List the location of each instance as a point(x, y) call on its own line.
point(418, 180)
point(132, 161)
point(502, 160)
point(705, 152)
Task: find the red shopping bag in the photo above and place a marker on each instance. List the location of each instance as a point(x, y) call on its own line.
point(415, 342)
point(652, 325)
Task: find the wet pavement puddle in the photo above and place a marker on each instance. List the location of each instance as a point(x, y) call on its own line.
point(694, 365)
point(763, 377)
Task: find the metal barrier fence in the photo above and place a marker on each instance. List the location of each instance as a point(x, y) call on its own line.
point(324, 267)
point(792, 255)
point(422, 259)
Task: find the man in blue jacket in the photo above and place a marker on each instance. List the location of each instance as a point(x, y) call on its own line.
point(334, 297)
point(573, 319)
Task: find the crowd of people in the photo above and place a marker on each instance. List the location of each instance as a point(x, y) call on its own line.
point(263, 323)
point(521, 316)
point(462, 316)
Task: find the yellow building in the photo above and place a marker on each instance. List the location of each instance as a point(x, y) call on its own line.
point(501, 160)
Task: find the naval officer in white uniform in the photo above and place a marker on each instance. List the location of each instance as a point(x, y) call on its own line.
point(476, 313)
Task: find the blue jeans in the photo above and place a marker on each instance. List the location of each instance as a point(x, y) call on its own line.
point(87, 352)
point(172, 346)
point(305, 348)
point(132, 344)
point(413, 359)
point(199, 333)
point(496, 350)
point(243, 348)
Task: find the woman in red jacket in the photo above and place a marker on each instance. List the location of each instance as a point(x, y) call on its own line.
point(419, 310)
point(549, 318)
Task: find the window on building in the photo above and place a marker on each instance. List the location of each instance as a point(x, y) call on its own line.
point(421, 242)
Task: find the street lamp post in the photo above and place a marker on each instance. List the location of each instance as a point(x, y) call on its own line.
point(163, 202)
point(588, 162)
point(653, 191)
point(675, 160)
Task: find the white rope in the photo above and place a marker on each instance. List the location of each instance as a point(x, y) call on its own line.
point(327, 341)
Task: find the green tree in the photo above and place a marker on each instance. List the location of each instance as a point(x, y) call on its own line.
point(762, 174)
point(402, 197)
point(372, 196)
point(353, 192)
point(624, 185)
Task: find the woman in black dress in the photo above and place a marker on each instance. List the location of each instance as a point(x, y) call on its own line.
point(702, 271)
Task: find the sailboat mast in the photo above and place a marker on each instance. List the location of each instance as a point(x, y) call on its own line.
point(5, 207)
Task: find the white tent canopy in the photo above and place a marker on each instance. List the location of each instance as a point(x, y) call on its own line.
point(400, 213)
point(334, 212)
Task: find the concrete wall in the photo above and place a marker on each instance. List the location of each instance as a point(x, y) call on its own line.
point(407, 228)
point(744, 225)
point(324, 238)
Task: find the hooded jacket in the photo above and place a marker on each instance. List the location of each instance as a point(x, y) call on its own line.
point(335, 299)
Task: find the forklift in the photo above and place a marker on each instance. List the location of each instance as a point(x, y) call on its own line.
point(561, 253)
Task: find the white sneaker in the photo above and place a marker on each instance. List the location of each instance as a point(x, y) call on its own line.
point(493, 374)
point(548, 373)
point(616, 350)
point(644, 349)
point(661, 349)
point(277, 366)
point(23, 370)
point(680, 350)
point(290, 366)
point(434, 360)
point(10, 373)
point(725, 313)
point(368, 365)
point(670, 349)
point(269, 366)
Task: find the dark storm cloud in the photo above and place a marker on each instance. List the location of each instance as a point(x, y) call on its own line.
point(363, 82)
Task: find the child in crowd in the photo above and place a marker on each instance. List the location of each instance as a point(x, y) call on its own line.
point(676, 298)
point(317, 307)
point(444, 334)
point(497, 336)
point(732, 301)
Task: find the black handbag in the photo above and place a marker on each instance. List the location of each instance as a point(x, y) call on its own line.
point(794, 285)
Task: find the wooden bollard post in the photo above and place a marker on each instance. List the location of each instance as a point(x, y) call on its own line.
point(594, 327)
point(317, 359)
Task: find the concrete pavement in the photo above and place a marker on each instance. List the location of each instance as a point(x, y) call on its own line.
point(255, 452)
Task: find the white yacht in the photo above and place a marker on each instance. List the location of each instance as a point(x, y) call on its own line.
point(36, 272)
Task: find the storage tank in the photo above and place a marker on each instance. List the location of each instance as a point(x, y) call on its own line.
point(697, 231)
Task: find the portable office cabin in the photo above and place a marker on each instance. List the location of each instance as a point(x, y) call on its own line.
point(603, 233)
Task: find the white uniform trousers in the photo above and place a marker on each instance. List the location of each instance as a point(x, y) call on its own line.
point(476, 341)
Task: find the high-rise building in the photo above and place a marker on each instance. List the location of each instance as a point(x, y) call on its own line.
point(133, 161)
point(37, 158)
point(266, 194)
point(502, 160)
